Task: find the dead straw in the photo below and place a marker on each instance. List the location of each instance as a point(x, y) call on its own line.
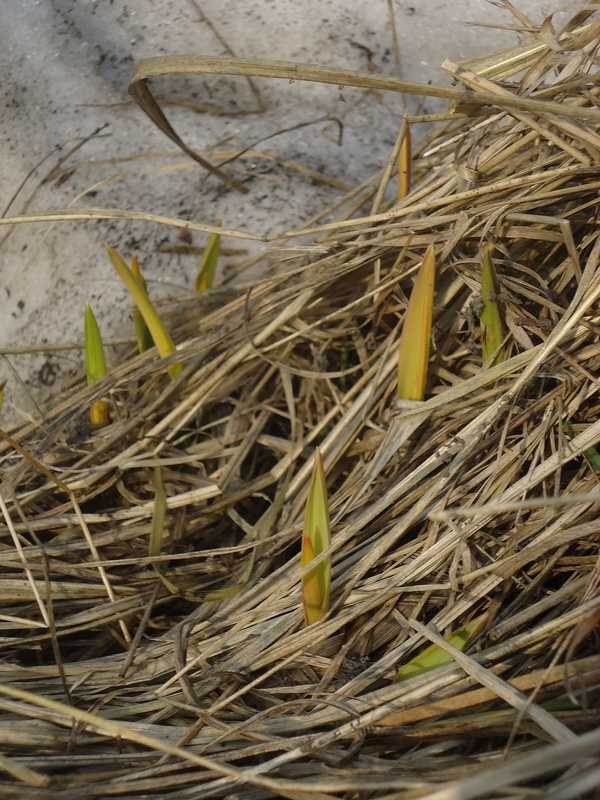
point(470, 502)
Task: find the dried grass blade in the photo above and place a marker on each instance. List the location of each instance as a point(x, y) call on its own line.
point(158, 515)
point(405, 166)
point(22, 773)
point(23, 559)
point(474, 81)
point(505, 63)
point(144, 98)
point(213, 65)
point(591, 453)
point(127, 732)
point(545, 720)
point(91, 212)
point(155, 548)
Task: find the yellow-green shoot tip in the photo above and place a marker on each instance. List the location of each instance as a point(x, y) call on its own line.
point(492, 330)
point(142, 332)
point(163, 341)
point(413, 354)
point(95, 364)
point(433, 657)
point(210, 257)
point(316, 537)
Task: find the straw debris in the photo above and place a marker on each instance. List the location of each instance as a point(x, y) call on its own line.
point(479, 502)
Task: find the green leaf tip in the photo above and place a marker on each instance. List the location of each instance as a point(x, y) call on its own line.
point(591, 453)
point(210, 258)
point(163, 341)
point(492, 329)
point(142, 332)
point(316, 538)
point(413, 354)
point(95, 364)
point(433, 657)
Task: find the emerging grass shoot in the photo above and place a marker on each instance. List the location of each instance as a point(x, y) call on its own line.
point(95, 364)
point(142, 332)
point(592, 455)
point(210, 257)
point(163, 341)
point(433, 657)
point(492, 330)
point(316, 537)
point(413, 354)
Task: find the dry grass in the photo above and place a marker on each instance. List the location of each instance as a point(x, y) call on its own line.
point(475, 501)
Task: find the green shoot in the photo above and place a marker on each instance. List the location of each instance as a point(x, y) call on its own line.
point(316, 537)
point(163, 341)
point(492, 332)
point(591, 453)
point(95, 365)
point(210, 257)
point(434, 656)
point(413, 355)
point(142, 333)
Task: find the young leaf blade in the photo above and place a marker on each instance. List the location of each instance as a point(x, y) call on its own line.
point(163, 341)
point(95, 364)
point(433, 656)
point(142, 332)
point(591, 453)
point(492, 330)
point(413, 354)
point(210, 257)
point(316, 537)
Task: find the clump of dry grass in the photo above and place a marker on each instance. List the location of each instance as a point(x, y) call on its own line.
point(476, 501)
